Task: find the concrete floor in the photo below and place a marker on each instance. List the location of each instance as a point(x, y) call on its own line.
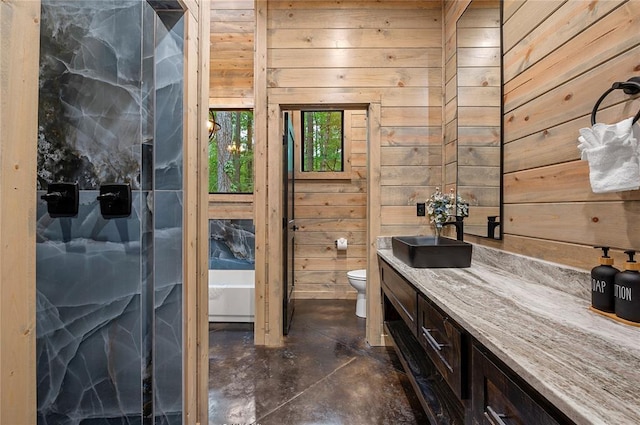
point(325, 374)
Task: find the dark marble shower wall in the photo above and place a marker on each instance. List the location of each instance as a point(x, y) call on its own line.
point(109, 291)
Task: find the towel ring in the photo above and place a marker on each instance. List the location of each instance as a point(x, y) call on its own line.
point(631, 87)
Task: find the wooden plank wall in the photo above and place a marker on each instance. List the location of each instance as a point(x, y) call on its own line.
point(558, 61)
point(479, 113)
point(233, 24)
point(559, 57)
point(393, 50)
point(327, 210)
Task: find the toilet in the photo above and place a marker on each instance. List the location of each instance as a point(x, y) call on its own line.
point(358, 279)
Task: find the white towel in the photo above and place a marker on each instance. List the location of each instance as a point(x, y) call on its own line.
point(612, 152)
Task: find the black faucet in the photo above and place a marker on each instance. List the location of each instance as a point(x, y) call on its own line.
point(491, 226)
point(459, 225)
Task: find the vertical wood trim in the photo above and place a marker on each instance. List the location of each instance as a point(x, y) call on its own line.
point(190, 219)
point(348, 140)
point(260, 171)
point(274, 335)
point(19, 56)
point(445, 32)
point(202, 306)
point(374, 202)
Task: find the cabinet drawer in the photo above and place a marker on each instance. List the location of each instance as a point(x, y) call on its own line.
point(401, 294)
point(497, 400)
point(443, 342)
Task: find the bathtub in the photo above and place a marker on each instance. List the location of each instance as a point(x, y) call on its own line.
point(231, 295)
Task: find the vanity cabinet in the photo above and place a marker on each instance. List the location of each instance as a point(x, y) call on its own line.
point(498, 400)
point(457, 380)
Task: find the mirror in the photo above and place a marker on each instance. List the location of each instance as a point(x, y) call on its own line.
point(479, 115)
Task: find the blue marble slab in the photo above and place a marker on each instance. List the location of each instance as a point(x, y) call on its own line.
point(88, 312)
point(232, 244)
point(167, 342)
point(169, 57)
point(90, 92)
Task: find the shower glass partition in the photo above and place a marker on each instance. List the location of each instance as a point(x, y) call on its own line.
point(109, 290)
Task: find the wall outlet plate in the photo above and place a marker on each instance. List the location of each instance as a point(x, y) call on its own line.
point(421, 209)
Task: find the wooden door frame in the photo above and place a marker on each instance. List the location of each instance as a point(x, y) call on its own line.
point(269, 284)
point(288, 187)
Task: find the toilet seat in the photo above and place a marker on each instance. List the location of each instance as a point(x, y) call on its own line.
point(357, 274)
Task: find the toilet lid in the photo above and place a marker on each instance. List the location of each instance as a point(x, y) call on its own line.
point(358, 274)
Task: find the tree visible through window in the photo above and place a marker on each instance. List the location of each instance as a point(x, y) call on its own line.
point(322, 144)
point(231, 152)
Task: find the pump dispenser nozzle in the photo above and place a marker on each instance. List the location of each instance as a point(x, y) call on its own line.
point(605, 260)
point(631, 263)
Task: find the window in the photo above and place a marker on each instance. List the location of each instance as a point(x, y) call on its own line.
point(231, 152)
point(322, 141)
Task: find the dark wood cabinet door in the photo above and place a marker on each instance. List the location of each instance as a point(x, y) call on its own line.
point(498, 400)
point(443, 342)
point(402, 295)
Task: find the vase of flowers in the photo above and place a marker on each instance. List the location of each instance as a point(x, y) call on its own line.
point(441, 207)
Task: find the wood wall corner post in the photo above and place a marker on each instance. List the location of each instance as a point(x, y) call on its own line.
point(374, 329)
point(191, 232)
point(19, 56)
point(274, 335)
point(202, 305)
point(260, 171)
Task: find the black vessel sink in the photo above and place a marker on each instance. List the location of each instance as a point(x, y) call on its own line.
point(431, 252)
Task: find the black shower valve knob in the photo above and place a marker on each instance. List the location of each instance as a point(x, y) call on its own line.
point(115, 200)
point(62, 199)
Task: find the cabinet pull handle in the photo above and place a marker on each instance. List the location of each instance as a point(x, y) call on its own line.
point(404, 309)
point(431, 340)
point(494, 417)
point(437, 347)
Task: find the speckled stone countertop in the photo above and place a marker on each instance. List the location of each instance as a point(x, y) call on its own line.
point(533, 315)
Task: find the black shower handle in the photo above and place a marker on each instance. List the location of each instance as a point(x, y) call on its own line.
point(52, 197)
point(115, 200)
point(63, 199)
point(109, 196)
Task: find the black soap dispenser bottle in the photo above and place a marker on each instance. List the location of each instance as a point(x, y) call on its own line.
point(602, 280)
point(627, 291)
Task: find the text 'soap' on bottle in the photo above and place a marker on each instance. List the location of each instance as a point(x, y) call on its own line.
point(602, 281)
